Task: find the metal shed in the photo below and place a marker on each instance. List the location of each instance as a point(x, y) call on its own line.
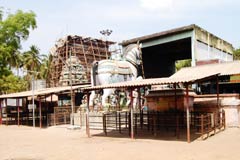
point(161, 50)
point(40, 95)
point(183, 78)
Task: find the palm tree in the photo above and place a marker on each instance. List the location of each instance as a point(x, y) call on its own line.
point(32, 60)
point(45, 66)
point(16, 61)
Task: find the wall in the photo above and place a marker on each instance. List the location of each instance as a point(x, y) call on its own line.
point(212, 40)
point(229, 102)
point(164, 100)
point(205, 52)
point(39, 84)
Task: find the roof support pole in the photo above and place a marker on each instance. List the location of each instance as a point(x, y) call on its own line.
point(188, 114)
point(53, 109)
point(139, 99)
point(131, 110)
point(0, 111)
point(33, 104)
point(140, 107)
point(176, 110)
point(6, 111)
point(18, 111)
point(217, 86)
point(27, 109)
point(40, 112)
point(45, 102)
point(87, 117)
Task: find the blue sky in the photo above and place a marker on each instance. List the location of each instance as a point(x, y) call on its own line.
point(127, 18)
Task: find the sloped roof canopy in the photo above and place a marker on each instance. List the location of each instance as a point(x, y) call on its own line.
point(227, 68)
point(45, 91)
point(156, 81)
point(185, 75)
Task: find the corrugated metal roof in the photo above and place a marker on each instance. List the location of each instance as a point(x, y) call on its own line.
point(227, 68)
point(185, 75)
point(155, 81)
point(44, 91)
point(167, 33)
point(159, 34)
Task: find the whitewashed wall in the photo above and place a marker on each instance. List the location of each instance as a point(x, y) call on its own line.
point(205, 53)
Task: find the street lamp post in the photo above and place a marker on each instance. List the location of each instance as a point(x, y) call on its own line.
point(33, 88)
point(33, 108)
point(106, 33)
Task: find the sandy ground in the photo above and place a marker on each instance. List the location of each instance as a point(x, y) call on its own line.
point(59, 143)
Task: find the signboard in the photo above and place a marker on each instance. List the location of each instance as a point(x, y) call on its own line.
point(30, 106)
point(12, 102)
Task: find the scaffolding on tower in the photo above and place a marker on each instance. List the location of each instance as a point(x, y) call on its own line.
point(81, 50)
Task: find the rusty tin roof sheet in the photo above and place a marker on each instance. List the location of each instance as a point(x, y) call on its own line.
point(44, 91)
point(227, 68)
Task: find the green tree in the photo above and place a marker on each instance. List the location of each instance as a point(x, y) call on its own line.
point(16, 61)
point(11, 84)
point(236, 54)
point(183, 63)
point(45, 66)
point(32, 59)
point(14, 29)
point(32, 62)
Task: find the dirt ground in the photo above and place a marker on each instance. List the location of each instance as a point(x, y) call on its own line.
point(59, 143)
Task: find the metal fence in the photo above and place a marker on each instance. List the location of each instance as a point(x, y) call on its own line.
point(154, 122)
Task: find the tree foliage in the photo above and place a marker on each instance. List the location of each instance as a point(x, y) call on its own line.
point(45, 67)
point(236, 54)
point(32, 59)
point(183, 63)
point(11, 84)
point(14, 29)
point(34, 62)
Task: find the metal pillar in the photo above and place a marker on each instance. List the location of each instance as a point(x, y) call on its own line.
point(6, 112)
point(27, 109)
point(188, 114)
point(131, 109)
point(45, 101)
point(33, 108)
point(87, 117)
point(217, 86)
point(0, 111)
point(176, 113)
point(140, 107)
point(18, 110)
point(40, 113)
